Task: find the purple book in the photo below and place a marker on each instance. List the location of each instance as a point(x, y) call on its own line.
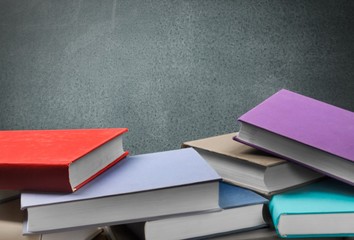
point(298, 128)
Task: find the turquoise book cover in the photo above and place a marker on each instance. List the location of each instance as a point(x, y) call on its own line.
point(321, 209)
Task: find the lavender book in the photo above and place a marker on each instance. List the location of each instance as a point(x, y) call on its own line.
point(304, 130)
point(140, 188)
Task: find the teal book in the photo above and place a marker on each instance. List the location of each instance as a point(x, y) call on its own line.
point(321, 209)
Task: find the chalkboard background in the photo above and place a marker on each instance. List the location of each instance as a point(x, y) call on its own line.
point(170, 71)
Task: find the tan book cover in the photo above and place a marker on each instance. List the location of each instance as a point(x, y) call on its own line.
point(225, 145)
point(248, 167)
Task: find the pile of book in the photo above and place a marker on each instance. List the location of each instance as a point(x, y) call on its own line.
point(287, 173)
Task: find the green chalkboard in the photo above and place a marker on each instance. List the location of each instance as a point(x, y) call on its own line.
point(170, 71)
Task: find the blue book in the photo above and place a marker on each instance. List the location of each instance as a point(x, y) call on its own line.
point(321, 209)
point(242, 210)
point(138, 188)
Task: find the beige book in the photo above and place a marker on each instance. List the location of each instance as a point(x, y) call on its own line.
point(248, 167)
point(11, 226)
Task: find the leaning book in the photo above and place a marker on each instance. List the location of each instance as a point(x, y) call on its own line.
point(138, 188)
point(249, 167)
point(304, 130)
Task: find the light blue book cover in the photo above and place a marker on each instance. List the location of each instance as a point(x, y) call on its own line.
point(138, 188)
point(321, 209)
point(136, 174)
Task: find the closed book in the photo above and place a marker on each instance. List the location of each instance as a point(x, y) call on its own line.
point(11, 225)
point(249, 167)
point(57, 160)
point(138, 188)
point(242, 210)
point(321, 209)
point(304, 130)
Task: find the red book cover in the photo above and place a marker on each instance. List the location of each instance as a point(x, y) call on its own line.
point(57, 160)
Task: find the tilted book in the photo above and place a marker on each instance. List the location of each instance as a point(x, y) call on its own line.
point(321, 209)
point(304, 130)
point(57, 160)
point(249, 167)
point(242, 210)
point(138, 188)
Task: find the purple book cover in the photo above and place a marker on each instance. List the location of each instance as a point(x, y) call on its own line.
point(306, 120)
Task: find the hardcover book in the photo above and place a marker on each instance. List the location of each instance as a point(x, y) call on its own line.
point(304, 130)
point(138, 188)
point(11, 225)
point(249, 167)
point(241, 211)
point(57, 160)
point(321, 209)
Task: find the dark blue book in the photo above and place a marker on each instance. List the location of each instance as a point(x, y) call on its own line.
point(242, 210)
point(139, 188)
point(231, 196)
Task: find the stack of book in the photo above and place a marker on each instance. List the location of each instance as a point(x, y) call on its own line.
point(74, 182)
point(285, 174)
point(315, 135)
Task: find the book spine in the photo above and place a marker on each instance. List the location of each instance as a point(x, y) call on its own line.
point(42, 178)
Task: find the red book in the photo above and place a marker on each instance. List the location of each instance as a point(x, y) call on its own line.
point(57, 160)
